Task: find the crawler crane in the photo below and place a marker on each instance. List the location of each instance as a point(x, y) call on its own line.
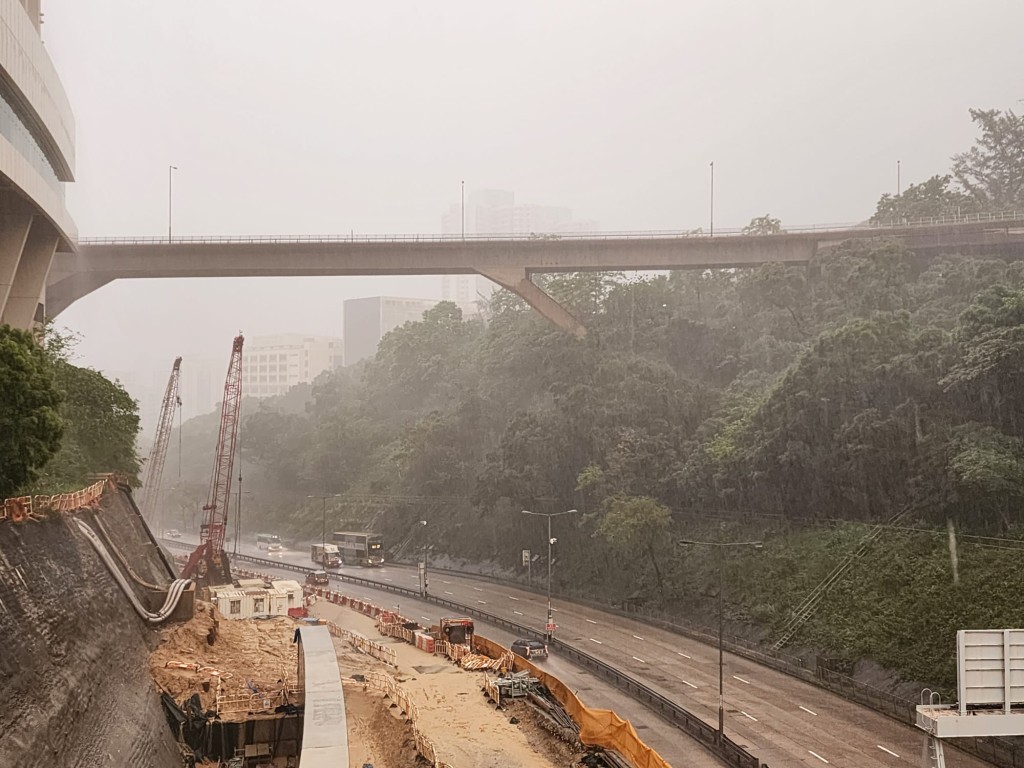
point(155, 465)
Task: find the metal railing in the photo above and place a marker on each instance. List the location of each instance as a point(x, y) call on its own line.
point(931, 221)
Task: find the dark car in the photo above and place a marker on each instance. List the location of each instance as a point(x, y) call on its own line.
point(534, 650)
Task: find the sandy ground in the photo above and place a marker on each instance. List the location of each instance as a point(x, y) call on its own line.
point(261, 652)
point(376, 734)
point(453, 712)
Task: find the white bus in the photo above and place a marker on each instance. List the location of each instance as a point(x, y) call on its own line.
point(269, 542)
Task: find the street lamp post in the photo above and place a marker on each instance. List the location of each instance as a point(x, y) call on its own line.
point(170, 199)
point(423, 577)
point(712, 231)
point(463, 210)
point(323, 524)
point(720, 546)
point(550, 626)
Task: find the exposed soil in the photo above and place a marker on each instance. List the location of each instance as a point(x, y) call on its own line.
point(243, 651)
point(376, 735)
point(533, 724)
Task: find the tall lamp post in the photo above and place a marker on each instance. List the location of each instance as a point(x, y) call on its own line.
point(423, 577)
point(323, 527)
point(712, 231)
point(720, 545)
point(170, 199)
point(550, 626)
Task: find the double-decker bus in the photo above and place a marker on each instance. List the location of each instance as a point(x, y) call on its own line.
point(359, 548)
point(269, 542)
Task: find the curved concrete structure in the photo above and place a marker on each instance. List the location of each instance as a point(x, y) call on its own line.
point(37, 158)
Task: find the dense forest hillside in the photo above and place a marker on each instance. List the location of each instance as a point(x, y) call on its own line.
point(801, 406)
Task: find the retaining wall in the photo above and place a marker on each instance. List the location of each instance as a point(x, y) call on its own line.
point(74, 675)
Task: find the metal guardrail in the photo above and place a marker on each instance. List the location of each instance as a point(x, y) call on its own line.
point(730, 752)
point(931, 221)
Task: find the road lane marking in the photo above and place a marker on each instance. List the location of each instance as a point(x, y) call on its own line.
point(478, 589)
point(555, 610)
point(512, 598)
point(684, 655)
point(591, 621)
point(447, 592)
point(637, 658)
point(737, 677)
point(886, 750)
point(517, 613)
point(689, 683)
point(805, 709)
point(425, 618)
point(446, 582)
point(749, 717)
point(819, 757)
point(482, 602)
point(638, 637)
point(596, 641)
point(387, 579)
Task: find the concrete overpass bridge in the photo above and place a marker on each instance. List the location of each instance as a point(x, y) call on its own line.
point(509, 261)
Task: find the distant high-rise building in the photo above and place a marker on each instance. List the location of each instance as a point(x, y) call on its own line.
point(271, 365)
point(201, 386)
point(366, 321)
point(495, 212)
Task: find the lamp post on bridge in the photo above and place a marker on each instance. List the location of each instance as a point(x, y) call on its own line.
point(550, 626)
point(712, 199)
point(720, 546)
point(463, 209)
point(170, 198)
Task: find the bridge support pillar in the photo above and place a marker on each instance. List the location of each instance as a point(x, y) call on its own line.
point(23, 307)
point(516, 279)
point(15, 223)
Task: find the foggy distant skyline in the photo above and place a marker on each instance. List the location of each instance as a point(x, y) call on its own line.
point(332, 117)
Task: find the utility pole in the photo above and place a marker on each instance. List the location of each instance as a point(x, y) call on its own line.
point(323, 520)
point(170, 198)
point(899, 184)
point(463, 209)
point(721, 545)
point(550, 626)
point(423, 569)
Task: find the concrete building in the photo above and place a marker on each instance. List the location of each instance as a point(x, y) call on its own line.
point(271, 365)
point(366, 321)
point(37, 157)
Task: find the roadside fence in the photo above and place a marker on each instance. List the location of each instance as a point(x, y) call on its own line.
point(21, 508)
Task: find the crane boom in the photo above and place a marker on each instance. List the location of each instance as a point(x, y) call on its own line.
point(157, 456)
point(208, 563)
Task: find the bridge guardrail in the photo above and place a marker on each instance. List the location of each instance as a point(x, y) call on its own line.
point(931, 221)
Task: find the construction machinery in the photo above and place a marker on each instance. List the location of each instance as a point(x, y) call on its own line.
point(157, 456)
point(208, 564)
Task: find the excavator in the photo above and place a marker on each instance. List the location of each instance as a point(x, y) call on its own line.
point(208, 564)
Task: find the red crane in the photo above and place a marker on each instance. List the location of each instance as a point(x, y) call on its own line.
point(208, 564)
point(157, 456)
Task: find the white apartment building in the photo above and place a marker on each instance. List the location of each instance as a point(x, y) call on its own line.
point(271, 365)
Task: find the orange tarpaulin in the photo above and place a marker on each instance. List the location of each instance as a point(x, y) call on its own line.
point(598, 727)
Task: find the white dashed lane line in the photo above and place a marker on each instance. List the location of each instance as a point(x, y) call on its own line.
point(447, 592)
point(687, 682)
point(749, 717)
point(737, 677)
point(819, 757)
point(517, 613)
point(591, 621)
point(637, 637)
point(425, 618)
point(886, 750)
point(482, 602)
point(637, 658)
point(684, 655)
point(805, 709)
point(512, 598)
point(596, 641)
point(478, 589)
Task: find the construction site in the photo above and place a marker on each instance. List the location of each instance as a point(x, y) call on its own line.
point(193, 662)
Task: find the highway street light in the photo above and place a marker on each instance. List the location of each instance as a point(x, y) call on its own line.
point(720, 545)
point(170, 170)
point(423, 584)
point(550, 626)
point(323, 527)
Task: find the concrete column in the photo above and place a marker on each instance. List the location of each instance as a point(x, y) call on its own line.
point(14, 228)
point(516, 280)
point(29, 285)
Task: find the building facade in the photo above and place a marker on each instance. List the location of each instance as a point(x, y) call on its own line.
point(37, 158)
point(366, 321)
point(271, 365)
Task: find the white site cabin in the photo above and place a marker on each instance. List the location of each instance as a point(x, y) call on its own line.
point(253, 598)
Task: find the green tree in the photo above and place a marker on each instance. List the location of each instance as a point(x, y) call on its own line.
point(763, 225)
point(992, 171)
point(637, 526)
point(30, 402)
point(929, 199)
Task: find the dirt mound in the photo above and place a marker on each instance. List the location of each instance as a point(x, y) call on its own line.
point(241, 654)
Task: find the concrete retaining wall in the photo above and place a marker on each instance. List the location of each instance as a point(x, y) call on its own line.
point(75, 689)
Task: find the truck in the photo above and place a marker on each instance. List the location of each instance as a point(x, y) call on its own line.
point(326, 555)
point(457, 630)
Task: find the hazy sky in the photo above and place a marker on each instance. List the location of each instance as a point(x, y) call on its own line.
point(324, 116)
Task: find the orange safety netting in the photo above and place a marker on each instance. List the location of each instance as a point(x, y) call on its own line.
point(598, 727)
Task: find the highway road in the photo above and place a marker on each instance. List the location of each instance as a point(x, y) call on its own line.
point(782, 720)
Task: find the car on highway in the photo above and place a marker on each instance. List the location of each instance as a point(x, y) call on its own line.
point(533, 650)
point(317, 578)
point(173, 534)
